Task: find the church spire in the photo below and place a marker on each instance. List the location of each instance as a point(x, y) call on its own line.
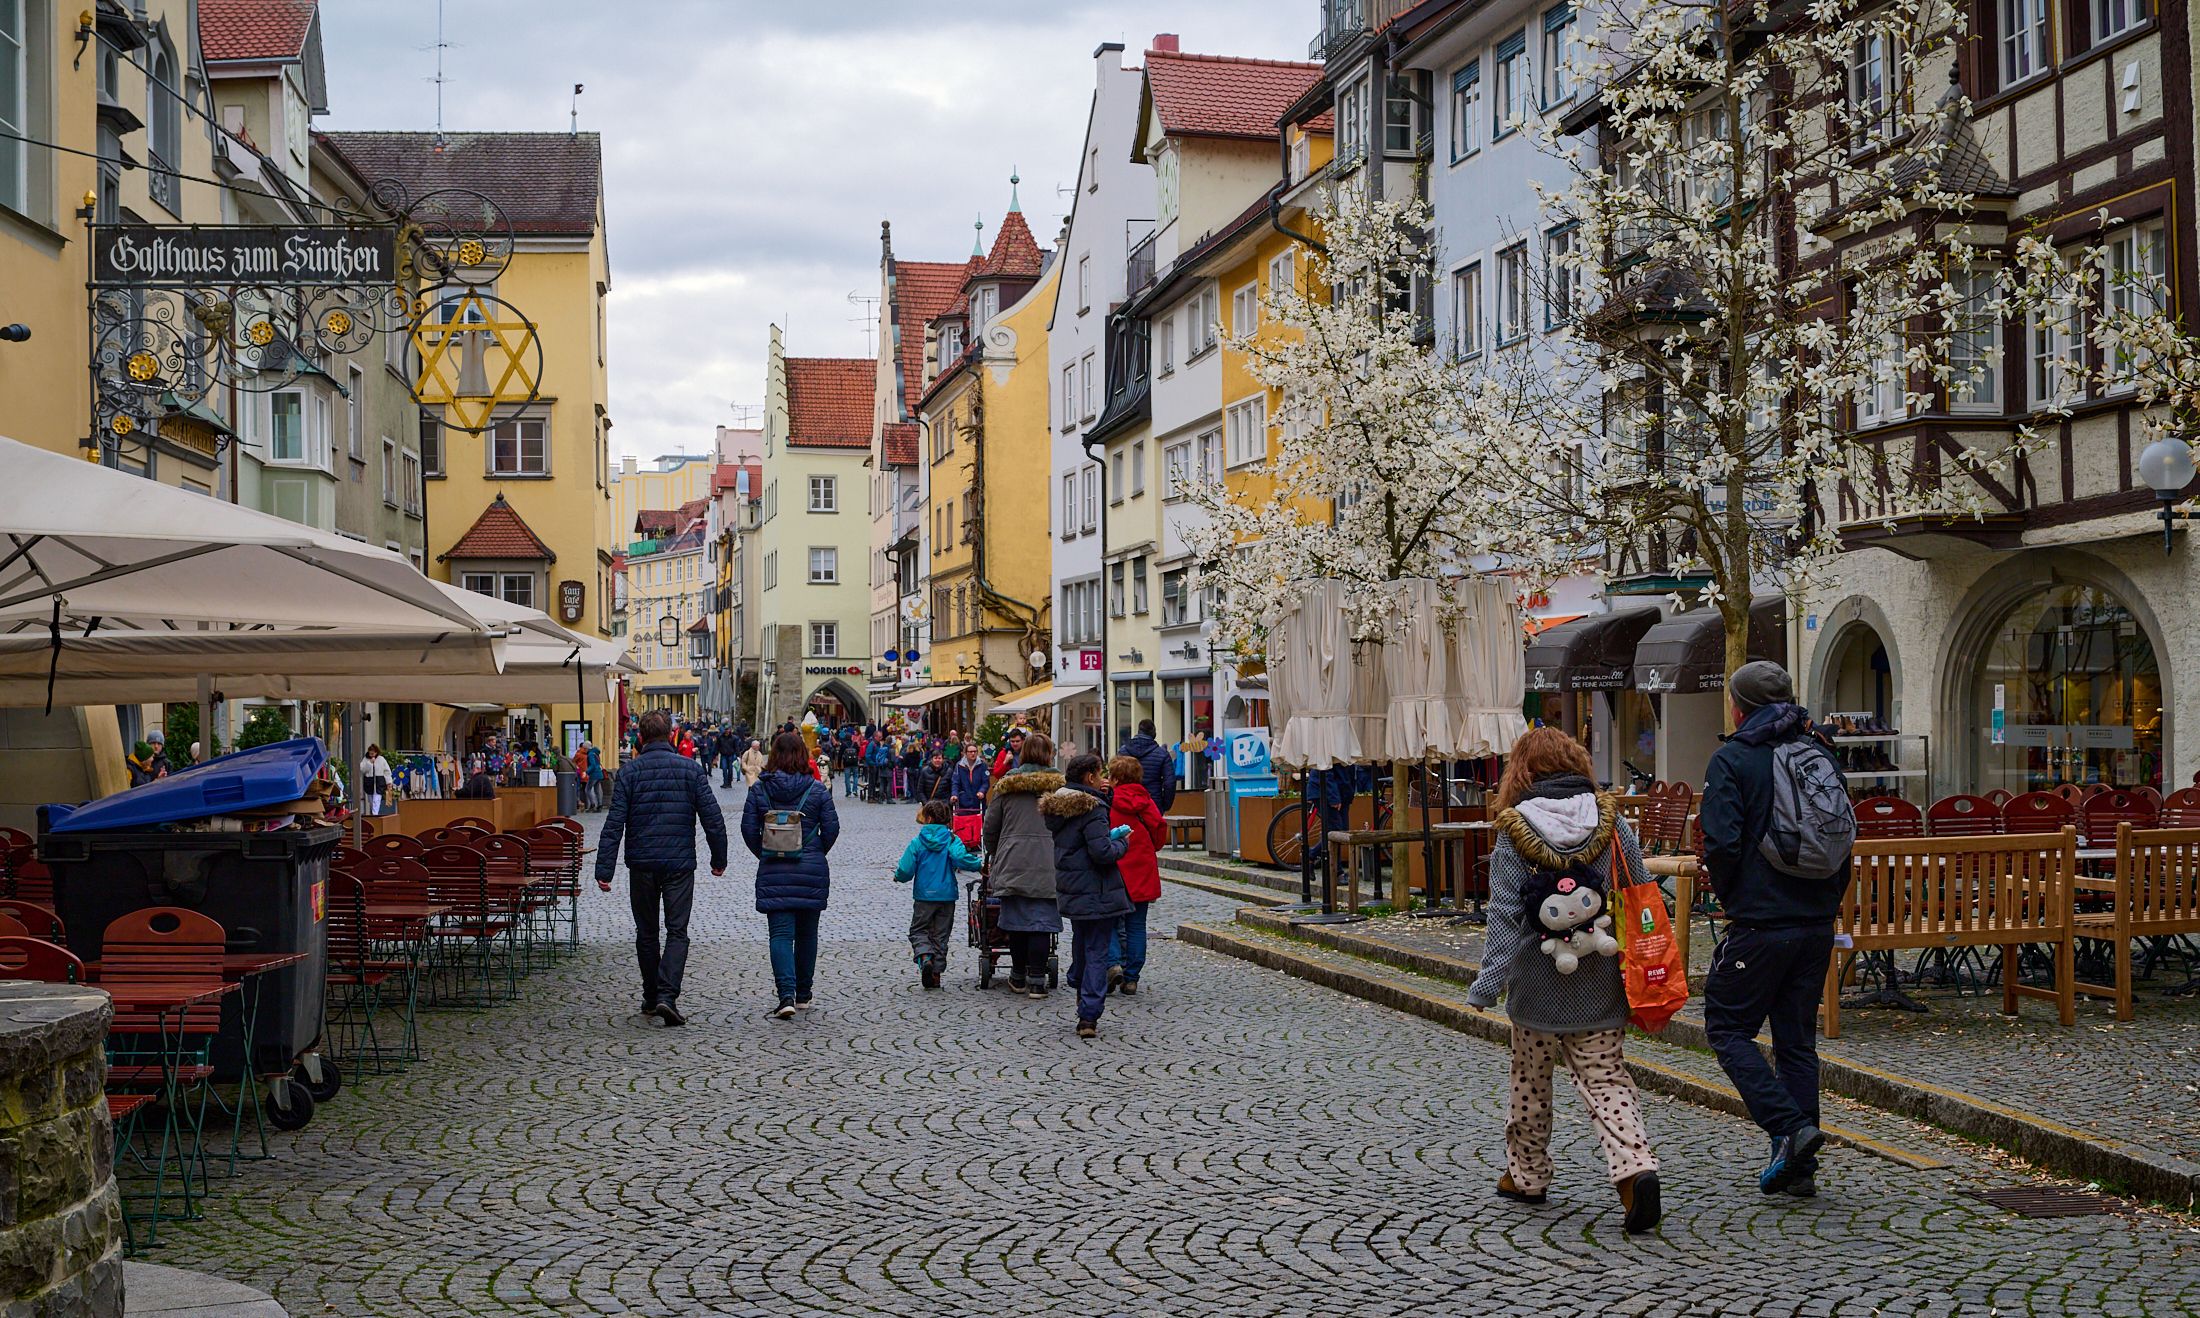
point(977, 241)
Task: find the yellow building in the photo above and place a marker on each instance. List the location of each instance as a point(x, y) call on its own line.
point(985, 455)
point(670, 585)
point(523, 510)
point(673, 479)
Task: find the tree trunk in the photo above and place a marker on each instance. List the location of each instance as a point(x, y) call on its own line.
point(1734, 616)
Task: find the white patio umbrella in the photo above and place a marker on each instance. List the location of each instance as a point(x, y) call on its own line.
point(1417, 661)
point(140, 667)
point(1488, 679)
point(1312, 660)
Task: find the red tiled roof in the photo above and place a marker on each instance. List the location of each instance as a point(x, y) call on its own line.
point(692, 511)
point(727, 478)
point(254, 29)
point(830, 401)
point(545, 183)
point(499, 533)
point(1015, 253)
point(1224, 95)
point(649, 521)
point(901, 444)
point(922, 290)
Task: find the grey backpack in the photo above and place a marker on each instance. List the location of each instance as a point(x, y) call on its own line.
point(1813, 825)
point(782, 831)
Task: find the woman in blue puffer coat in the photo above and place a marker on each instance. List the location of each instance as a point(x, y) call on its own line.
point(793, 880)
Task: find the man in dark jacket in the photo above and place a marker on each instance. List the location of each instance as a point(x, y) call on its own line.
point(969, 779)
point(1158, 763)
point(1772, 961)
point(729, 747)
point(659, 797)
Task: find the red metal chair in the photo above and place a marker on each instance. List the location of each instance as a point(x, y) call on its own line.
point(28, 880)
point(1999, 797)
point(1964, 816)
point(555, 851)
point(2070, 792)
point(1665, 818)
point(38, 918)
point(2038, 812)
point(2181, 808)
point(2146, 793)
point(458, 877)
point(2099, 814)
point(164, 953)
point(394, 846)
point(347, 857)
point(363, 974)
point(25, 957)
point(1888, 816)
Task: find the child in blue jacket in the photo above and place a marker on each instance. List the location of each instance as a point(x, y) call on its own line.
point(930, 861)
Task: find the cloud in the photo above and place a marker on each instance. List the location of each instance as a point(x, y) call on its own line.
point(751, 149)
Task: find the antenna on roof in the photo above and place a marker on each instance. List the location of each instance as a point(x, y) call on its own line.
point(869, 303)
point(574, 127)
point(440, 46)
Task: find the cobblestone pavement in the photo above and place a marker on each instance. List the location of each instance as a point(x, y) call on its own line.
point(1235, 1143)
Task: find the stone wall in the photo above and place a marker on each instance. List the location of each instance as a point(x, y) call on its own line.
point(60, 1215)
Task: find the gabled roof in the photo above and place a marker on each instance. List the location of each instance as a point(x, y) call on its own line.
point(1224, 95)
point(830, 401)
point(726, 479)
point(545, 183)
point(499, 532)
point(651, 523)
point(254, 29)
point(923, 290)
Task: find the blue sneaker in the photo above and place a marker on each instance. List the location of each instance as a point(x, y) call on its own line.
point(1791, 1155)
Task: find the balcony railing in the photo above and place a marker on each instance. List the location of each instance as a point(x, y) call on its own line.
point(1138, 268)
point(1342, 20)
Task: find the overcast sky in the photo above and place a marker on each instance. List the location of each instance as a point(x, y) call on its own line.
point(751, 148)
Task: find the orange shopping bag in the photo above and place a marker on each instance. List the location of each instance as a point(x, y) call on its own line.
point(1650, 961)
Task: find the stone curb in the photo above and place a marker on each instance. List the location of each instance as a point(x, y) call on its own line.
point(2114, 1164)
point(1235, 891)
point(1252, 876)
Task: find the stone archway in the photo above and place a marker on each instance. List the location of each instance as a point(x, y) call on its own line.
point(833, 688)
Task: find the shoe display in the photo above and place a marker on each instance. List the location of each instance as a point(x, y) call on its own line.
point(1640, 1202)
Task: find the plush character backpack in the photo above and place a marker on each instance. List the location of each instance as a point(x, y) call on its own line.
point(1566, 909)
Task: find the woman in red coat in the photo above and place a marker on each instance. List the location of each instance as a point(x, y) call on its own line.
point(1141, 866)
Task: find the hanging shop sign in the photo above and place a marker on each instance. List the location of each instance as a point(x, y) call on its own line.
point(157, 256)
point(570, 598)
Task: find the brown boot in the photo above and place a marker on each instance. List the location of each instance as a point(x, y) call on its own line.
point(1638, 1199)
point(1507, 1190)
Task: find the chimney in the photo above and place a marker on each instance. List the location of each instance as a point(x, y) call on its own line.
point(1164, 41)
point(627, 465)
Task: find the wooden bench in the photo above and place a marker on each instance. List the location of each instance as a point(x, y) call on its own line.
point(2157, 894)
point(2003, 892)
point(1186, 830)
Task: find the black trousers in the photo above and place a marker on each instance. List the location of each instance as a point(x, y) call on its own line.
point(671, 892)
point(1776, 975)
point(1027, 954)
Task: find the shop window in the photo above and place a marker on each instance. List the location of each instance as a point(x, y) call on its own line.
point(2069, 690)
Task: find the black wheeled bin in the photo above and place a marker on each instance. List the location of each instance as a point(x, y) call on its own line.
point(268, 891)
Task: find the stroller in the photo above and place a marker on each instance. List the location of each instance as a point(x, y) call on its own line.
point(986, 935)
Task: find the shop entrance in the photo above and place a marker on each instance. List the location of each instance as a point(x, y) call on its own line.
point(2069, 690)
point(834, 705)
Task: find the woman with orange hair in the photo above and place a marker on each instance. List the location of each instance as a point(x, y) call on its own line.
point(1560, 855)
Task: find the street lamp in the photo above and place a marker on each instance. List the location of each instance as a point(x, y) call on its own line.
point(2166, 466)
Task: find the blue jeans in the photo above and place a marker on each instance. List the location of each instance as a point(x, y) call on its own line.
point(1127, 946)
point(1088, 964)
point(794, 952)
point(1775, 975)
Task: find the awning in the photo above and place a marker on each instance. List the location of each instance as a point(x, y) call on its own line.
point(1595, 653)
point(1538, 626)
point(1686, 653)
point(1028, 699)
point(918, 699)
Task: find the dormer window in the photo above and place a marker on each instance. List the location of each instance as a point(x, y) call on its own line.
point(986, 305)
point(951, 344)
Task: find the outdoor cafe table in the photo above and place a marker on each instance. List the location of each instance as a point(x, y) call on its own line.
point(1457, 841)
point(161, 997)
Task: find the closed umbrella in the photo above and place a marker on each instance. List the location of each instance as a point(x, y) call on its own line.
point(1417, 664)
point(1317, 663)
point(1488, 680)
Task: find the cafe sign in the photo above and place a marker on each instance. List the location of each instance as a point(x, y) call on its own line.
point(154, 256)
point(570, 597)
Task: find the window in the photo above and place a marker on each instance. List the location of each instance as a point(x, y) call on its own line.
point(1352, 121)
point(286, 431)
point(2113, 18)
point(824, 566)
point(1512, 84)
point(1084, 283)
point(1087, 383)
point(1175, 598)
point(511, 587)
point(1399, 107)
point(1115, 477)
point(1247, 426)
point(409, 494)
point(163, 116)
point(2024, 40)
point(2051, 339)
point(1512, 294)
point(1466, 310)
point(1069, 504)
point(2135, 283)
point(1245, 310)
point(825, 493)
point(389, 471)
point(1282, 273)
point(1564, 280)
point(16, 55)
point(520, 446)
point(1871, 89)
point(1466, 110)
point(1115, 590)
point(1974, 344)
point(1207, 316)
point(1069, 397)
point(1558, 51)
point(1138, 468)
point(950, 347)
point(1207, 457)
point(1167, 331)
point(1138, 584)
point(986, 307)
point(355, 411)
point(825, 640)
point(1880, 398)
point(1176, 469)
point(1092, 499)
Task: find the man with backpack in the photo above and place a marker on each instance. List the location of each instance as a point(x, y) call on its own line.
point(1775, 831)
point(656, 802)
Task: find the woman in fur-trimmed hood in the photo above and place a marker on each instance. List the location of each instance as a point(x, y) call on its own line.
point(1088, 881)
point(1557, 836)
point(1020, 865)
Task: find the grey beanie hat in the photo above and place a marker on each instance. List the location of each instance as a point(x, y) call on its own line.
point(1760, 682)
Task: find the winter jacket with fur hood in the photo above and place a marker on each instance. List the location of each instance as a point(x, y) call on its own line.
point(1017, 837)
point(1088, 884)
point(1566, 822)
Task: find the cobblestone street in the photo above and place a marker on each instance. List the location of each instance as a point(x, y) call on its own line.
point(1236, 1142)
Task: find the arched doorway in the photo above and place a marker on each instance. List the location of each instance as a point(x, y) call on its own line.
point(834, 703)
point(2067, 687)
point(1857, 677)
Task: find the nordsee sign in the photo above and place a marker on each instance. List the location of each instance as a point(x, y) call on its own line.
point(142, 255)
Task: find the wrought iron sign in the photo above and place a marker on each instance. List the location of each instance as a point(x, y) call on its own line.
point(180, 312)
